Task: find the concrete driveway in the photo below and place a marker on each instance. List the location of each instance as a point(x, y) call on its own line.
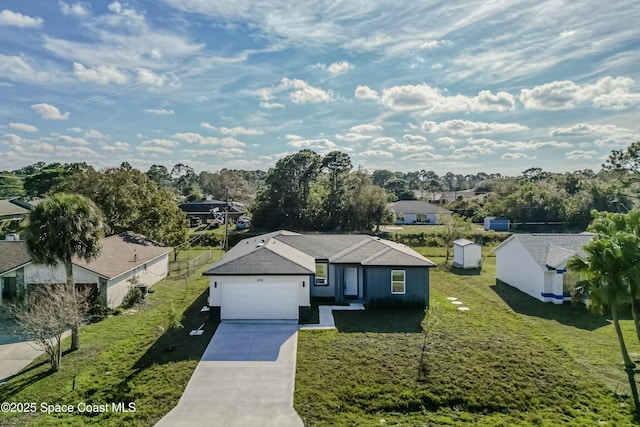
point(246, 377)
point(15, 351)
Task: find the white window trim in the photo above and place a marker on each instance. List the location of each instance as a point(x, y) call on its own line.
point(404, 282)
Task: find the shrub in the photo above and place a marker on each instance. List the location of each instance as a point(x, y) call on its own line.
point(134, 296)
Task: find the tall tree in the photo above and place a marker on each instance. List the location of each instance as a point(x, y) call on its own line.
point(604, 283)
point(60, 228)
point(337, 164)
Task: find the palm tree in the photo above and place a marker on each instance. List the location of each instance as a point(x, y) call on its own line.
point(61, 227)
point(607, 286)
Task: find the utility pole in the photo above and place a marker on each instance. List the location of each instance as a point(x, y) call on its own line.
point(226, 223)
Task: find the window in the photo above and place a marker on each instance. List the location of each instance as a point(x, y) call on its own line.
point(321, 274)
point(397, 282)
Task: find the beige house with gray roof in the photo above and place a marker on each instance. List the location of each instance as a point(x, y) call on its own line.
point(125, 260)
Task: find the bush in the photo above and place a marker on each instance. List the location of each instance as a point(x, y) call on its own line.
point(134, 296)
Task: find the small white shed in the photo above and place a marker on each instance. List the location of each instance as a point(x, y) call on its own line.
point(467, 254)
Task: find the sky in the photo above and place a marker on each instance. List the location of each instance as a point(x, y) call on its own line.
point(461, 86)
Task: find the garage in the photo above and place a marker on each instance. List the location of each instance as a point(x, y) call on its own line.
point(260, 299)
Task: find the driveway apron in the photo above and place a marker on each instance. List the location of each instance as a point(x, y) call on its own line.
point(246, 377)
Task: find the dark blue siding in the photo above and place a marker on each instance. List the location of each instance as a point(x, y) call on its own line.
point(377, 287)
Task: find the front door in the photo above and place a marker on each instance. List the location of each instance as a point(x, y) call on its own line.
point(351, 282)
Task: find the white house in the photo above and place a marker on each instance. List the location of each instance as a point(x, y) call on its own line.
point(536, 263)
point(417, 212)
point(125, 260)
point(467, 254)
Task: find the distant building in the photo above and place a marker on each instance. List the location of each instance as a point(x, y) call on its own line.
point(496, 224)
point(417, 212)
point(210, 210)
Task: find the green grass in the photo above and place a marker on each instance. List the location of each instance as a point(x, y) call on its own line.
point(510, 360)
point(123, 358)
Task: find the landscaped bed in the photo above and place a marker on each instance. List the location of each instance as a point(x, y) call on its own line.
point(509, 360)
point(122, 359)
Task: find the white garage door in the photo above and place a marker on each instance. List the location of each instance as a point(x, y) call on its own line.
point(259, 300)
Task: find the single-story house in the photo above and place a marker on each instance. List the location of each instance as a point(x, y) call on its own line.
point(536, 263)
point(443, 198)
point(125, 260)
point(209, 210)
point(467, 254)
point(417, 212)
point(9, 209)
point(496, 224)
point(274, 275)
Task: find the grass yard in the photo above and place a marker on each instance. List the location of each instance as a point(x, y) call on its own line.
point(123, 358)
point(510, 360)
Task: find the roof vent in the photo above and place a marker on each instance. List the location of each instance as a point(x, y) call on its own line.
point(260, 244)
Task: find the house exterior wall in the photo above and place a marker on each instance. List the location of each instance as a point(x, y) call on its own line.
point(330, 289)
point(377, 291)
point(38, 273)
point(412, 218)
point(147, 274)
point(553, 287)
point(515, 267)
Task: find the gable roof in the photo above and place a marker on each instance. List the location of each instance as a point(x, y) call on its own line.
point(284, 252)
point(417, 207)
point(121, 253)
point(13, 254)
point(464, 242)
point(551, 250)
point(9, 208)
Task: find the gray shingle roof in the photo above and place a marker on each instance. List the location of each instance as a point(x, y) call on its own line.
point(463, 242)
point(122, 253)
point(8, 208)
point(552, 250)
point(284, 252)
point(13, 254)
point(417, 207)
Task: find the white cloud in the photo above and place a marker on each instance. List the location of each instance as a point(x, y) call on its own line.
point(353, 137)
point(581, 129)
point(265, 104)
point(160, 112)
point(153, 149)
point(240, 130)
point(375, 153)
point(22, 127)
point(414, 138)
point(384, 140)
point(196, 138)
point(403, 146)
point(366, 128)
point(158, 143)
point(18, 68)
point(8, 17)
point(314, 144)
point(365, 92)
point(516, 156)
point(607, 92)
point(117, 146)
point(423, 156)
point(518, 145)
point(207, 126)
point(102, 74)
point(148, 77)
point(226, 153)
point(49, 112)
point(465, 127)
point(473, 149)
point(433, 100)
point(301, 92)
point(72, 140)
point(77, 9)
point(445, 140)
point(567, 33)
point(335, 69)
point(579, 154)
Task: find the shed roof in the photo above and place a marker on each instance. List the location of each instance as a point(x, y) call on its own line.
point(551, 250)
point(9, 208)
point(13, 254)
point(464, 242)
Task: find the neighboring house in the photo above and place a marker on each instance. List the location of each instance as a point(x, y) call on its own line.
point(443, 198)
point(210, 210)
point(274, 275)
point(536, 264)
point(12, 209)
point(417, 212)
point(496, 224)
point(467, 254)
point(124, 261)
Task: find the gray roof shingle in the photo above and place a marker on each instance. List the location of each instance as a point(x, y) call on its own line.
point(417, 207)
point(284, 252)
point(552, 250)
point(13, 254)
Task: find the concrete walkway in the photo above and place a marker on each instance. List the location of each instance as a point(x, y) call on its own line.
point(326, 315)
point(246, 377)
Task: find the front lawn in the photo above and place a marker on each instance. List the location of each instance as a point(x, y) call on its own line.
point(123, 358)
point(510, 360)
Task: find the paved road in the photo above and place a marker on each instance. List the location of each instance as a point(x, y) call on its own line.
point(245, 378)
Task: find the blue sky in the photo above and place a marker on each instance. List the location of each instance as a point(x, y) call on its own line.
point(456, 86)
